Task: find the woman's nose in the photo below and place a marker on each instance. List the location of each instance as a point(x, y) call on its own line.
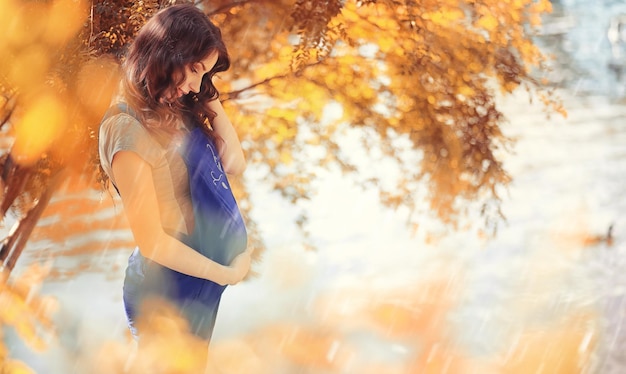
point(194, 86)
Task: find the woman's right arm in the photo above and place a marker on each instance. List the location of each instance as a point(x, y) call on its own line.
point(133, 177)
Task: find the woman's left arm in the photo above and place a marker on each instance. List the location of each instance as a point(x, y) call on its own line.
point(232, 156)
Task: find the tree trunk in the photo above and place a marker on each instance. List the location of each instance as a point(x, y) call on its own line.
point(13, 245)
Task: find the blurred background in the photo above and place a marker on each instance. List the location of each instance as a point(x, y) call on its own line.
point(545, 294)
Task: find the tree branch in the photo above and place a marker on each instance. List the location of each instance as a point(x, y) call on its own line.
point(14, 178)
point(233, 95)
point(29, 222)
point(13, 245)
point(9, 100)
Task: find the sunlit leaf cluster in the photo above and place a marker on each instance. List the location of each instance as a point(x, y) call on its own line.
point(429, 72)
point(114, 23)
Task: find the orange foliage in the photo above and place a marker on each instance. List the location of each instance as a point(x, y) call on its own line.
point(424, 71)
point(26, 312)
point(362, 330)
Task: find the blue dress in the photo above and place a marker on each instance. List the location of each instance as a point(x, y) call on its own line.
point(219, 233)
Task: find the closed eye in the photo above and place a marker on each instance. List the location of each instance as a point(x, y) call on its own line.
point(195, 68)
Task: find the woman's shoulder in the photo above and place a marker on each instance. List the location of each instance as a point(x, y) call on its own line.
point(120, 117)
point(120, 122)
point(120, 130)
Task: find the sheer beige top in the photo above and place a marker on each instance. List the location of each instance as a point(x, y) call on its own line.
point(123, 132)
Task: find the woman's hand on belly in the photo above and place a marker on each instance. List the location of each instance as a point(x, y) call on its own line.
point(240, 266)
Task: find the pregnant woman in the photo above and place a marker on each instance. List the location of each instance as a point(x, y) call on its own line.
point(167, 147)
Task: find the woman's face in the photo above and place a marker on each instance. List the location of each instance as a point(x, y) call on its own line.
point(193, 76)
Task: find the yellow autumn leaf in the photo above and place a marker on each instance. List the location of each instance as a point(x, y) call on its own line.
point(466, 91)
point(487, 22)
point(541, 6)
point(387, 44)
point(286, 157)
point(287, 114)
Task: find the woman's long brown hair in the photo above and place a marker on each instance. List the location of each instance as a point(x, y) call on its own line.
point(173, 38)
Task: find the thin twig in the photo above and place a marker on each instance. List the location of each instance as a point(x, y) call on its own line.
point(235, 94)
point(90, 27)
point(30, 221)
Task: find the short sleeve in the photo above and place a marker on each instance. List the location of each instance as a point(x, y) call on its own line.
point(123, 132)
